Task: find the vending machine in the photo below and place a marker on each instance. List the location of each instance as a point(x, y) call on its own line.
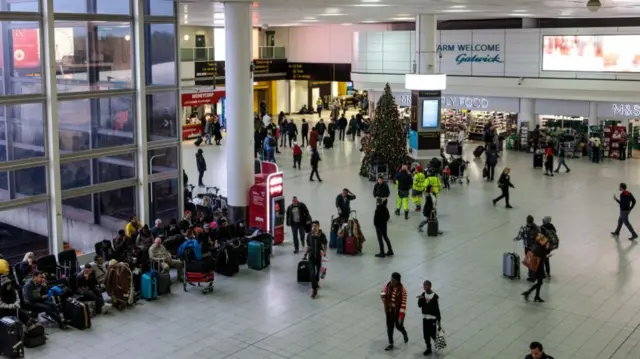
point(266, 205)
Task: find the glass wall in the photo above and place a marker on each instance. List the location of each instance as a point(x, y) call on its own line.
point(98, 88)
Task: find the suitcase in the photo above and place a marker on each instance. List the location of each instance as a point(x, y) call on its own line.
point(485, 172)
point(91, 307)
point(34, 342)
point(478, 151)
point(10, 337)
point(432, 227)
point(227, 262)
point(350, 245)
point(77, 314)
point(339, 244)
point(327, 142)
point(333, 239)
point(267, 240)
point(243, 252)
point(164, 283)
point(255, 259)
point(149, 286)
point(304, 272)
point(537, 160)
point(198, 141)
point(511, 264)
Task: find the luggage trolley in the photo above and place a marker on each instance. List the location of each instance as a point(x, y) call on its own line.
point(378, 169)
point(457, 165)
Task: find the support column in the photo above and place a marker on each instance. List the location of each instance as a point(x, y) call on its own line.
point(593, 114)
point(527, 113)
point(239, 92)
point(142, 165)
point(426, 44)
point(56, 243)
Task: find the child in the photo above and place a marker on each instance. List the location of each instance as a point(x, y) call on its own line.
point(297, 155)
point(446, 174)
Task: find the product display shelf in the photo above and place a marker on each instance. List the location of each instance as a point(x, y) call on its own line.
point(478, 121)
point(524, 137)
point(452, 121)
point(635, 137)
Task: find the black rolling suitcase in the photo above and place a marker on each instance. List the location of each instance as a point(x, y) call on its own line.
point(538, 159)
point(227, 261)
point(77, 313)
point(198, 141)
point(432, 227)
point(478, 151)
point(304, 272)
point(11, 338)
point(327, 142)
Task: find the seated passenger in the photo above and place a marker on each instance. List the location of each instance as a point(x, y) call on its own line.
point(133, 227)
point(122, 246)
point(207, 240)
point(36, 298)
point(100, 270)
point(186, 222)
point(224, 231)
point(27, 266)
point(145, 238)
point(159, 253)
point(173, 228)
point(158, 230)
point(10, 301)
point(88, 287)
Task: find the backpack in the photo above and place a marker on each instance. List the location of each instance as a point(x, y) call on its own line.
point(272, 142)
point(532, 234)
point(554, 241)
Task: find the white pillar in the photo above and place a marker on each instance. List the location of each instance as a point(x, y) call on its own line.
point(527, 113)
point(426, 44)
point(239, 92)
point(593, 114)
point(56, 242)
point(142, 190)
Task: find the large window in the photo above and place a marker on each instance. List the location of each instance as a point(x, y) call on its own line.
point(96, 171)
point(96, 123)
point(163, 160)
point(20, 60)
point(21, 132)
point(93, 55)
point(20, 5)
point(24, 229)
point(161, 116)
point(23, 183)
point(164, 200)
point(159, 8)
point(117, 7)
point(161, 64)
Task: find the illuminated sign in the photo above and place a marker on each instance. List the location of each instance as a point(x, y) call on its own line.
point(487, 53)
point(466, 102)
point(591, 53)
point(275, 184)
point(628, 110)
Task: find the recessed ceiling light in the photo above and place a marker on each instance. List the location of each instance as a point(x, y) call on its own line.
point(369, 21)
point(459, 7)
point(347, 24)
point(520, 15)
point(456, 10)
point(369, 5)
point(369, 1)
point(309, 18)
point(403, 15)
point(519, 11)
point(332, 10)
point(402, 18)
point(287, 25)
point(218, 15)
point(331, 14)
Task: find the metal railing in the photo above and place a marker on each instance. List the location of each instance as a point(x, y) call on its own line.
point(272, 52)
point(196, 54)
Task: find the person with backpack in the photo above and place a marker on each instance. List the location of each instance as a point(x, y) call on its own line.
point(270, 144)
point(429, 210)
point(428, 302)
point(298, 218)
point(380, 219)
point(528, 234)
point(297, 155)
point(418, 187)
point(316, 249)
point(491, 162)
point(404, 183)
point(549, 230)
point(292, 132)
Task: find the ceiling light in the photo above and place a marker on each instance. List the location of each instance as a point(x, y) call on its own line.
point(459, 7)
point(519, 11)
point(457, 10)
point(127, 37)
point(309, 18)
point(332, 14)
point(347, 24)
point(369, 5)
point(186, 37)
point(520, 15)
point(369, 1)
point(369, 21)
point(403, 15)
point(402, 18)
point(332, 10)
point(218, 15)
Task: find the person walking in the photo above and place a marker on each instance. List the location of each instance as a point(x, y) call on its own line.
point(627, 201)
point(316, 249)
point(217, 130)
point(298, 218)
point(319, 106)
point(561, 157)
point(304, 130)
point(208, 129)
point(380, 219)
point(201, 165)
point(353, 127)
point(429, 211)
point(548, 230)
point(313, 138)
point(491, 162)
point(428, 302)
point(537, 352)
point(315, 159)
point(534, 261)
point(297, 155)
point(622, 144)
point(404, 182)
point(528, 234)
point(394, 298)
point(342, 127)
point(504, 182)
point(548, 163)
point(418, 187)
point(381, 189)
point(331, 130)
point(321, 128)
point(284, 127)
point(292, 132)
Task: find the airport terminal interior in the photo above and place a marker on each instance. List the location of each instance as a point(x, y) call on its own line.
point(102, 108)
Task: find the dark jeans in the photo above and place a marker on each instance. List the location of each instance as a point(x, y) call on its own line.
point(394, 322)
point(505, 195)
point(292, 139)
point(298, 234)
point(538, 284)
point(492, 171)
point(353, 134)
point(341, 134)
point(622, 152)
point(562, 163)
point(200, 175)
point(381, 232)
point(305, 139)
point(45, 307)
point(549, 165)
point(429, 329)
point(270, 156)
point(23, 315)
point(283, 138)
point(297, 160)
point(547, 266)
point(314, 169)
point(94, 296)
point(315, 264)
point(624, 219)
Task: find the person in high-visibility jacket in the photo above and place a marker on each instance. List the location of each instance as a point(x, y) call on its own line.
point(404, 183)
point(434, 181)
point(418, 187)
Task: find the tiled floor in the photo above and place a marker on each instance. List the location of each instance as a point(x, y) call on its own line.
point(592, 307)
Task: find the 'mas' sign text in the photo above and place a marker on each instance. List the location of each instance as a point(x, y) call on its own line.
point(487, 53)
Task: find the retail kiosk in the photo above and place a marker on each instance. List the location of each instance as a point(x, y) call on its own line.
point(266, 202)
point(197, 104)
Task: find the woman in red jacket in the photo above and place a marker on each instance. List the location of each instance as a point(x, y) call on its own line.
point(394, 298)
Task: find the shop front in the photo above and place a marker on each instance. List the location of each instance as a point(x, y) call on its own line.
point(198, 104)
point(474, 113)
point(617, 122)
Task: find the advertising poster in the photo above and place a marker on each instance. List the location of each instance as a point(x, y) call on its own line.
point(591, 53)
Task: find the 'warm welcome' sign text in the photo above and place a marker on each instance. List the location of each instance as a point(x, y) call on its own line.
point(487, 53)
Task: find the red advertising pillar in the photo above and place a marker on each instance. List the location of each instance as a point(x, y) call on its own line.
point(267, 205)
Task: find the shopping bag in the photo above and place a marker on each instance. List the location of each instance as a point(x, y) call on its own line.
point(440, 343)
point(323, 267)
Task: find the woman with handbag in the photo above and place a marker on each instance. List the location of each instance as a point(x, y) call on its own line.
point(504, 182)
point(533, 261)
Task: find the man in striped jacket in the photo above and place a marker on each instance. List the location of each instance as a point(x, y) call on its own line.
point(394, 298)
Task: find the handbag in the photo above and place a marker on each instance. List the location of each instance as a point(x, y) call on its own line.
point(531, 261)
point(440, 343)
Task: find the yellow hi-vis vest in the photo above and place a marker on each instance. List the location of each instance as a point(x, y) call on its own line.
point(434, 182)
point(418, 182)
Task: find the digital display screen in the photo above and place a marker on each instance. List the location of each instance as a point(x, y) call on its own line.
point(591, 53)
point(430, 114)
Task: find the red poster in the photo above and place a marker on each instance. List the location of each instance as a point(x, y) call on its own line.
point(26, 49)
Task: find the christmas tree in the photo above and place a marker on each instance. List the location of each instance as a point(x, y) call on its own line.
point(386, 142)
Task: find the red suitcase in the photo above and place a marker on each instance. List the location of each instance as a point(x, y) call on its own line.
point(350, 246)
